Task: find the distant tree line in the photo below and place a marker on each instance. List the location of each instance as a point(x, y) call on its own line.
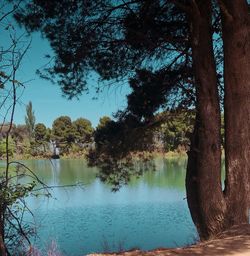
point(75, 138)
point(69, 136)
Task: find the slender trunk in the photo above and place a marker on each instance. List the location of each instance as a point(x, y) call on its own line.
point(236, 42)
point(2, 244)
point(2, 247)
point(203, 181)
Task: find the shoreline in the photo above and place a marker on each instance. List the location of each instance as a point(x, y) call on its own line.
point(168, 155)
point(234, 242)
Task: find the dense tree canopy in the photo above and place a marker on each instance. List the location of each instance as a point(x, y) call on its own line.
point(103, 122)
point(83, 130)
point(63, 132)
point(73, 137)
point(177, 130)
point(105, 27)
point(171, 135)
point(40, 132)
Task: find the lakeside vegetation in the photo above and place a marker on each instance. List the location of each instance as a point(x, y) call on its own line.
point(75, 138)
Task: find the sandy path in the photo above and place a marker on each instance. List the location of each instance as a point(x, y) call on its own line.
point(235, 242)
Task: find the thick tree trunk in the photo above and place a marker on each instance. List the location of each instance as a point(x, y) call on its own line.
point(212, 210)
point(236, 39)
point(203, 181)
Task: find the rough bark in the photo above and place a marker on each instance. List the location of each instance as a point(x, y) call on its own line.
point(203, 181)
point(212, 210)
point(236, 43)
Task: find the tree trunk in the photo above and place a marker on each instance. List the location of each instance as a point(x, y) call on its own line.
point(236, 41)
point(2, 245)
point(212, 210)
point(203, 181)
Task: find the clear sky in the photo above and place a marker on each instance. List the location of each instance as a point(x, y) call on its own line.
point(47, 99)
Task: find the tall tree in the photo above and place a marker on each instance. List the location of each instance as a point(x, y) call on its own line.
point(30, 119)
point(103, 122)
point(84, 130)
point(63, 132)
point(203, 178)
point(236, 39)
point(170, 50)
point(40, 133)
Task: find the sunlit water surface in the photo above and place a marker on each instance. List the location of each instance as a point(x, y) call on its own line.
point(149, 212)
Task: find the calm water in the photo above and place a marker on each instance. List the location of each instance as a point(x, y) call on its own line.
point(150, 212)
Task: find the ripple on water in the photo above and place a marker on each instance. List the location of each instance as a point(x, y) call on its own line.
point(86, 229)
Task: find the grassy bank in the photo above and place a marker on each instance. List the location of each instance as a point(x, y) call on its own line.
point(82, 155)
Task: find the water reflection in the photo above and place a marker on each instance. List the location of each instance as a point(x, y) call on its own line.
point(63, 172)
point(169, 173)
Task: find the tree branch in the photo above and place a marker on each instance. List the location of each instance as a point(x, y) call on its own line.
point(11, 11)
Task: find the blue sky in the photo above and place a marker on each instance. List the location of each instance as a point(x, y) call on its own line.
point(47, 99)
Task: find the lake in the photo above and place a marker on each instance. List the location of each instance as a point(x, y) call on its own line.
point(149, 212)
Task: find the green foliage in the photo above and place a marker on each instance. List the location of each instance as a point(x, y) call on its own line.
point(135, 32)
point(30, 119)
point(12, 202)
point(103, 122)
point(177, 129)
point(48, 134)
point(71, 137)
point(23, 148)
point(83, 130)
point(63, 132)
point(40, 133)
point(168, 131)
point(20, 136)
point(116, 144)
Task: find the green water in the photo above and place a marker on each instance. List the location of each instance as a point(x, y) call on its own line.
point(149, 212)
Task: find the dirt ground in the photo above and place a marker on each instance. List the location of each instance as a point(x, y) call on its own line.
point(234, 242)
